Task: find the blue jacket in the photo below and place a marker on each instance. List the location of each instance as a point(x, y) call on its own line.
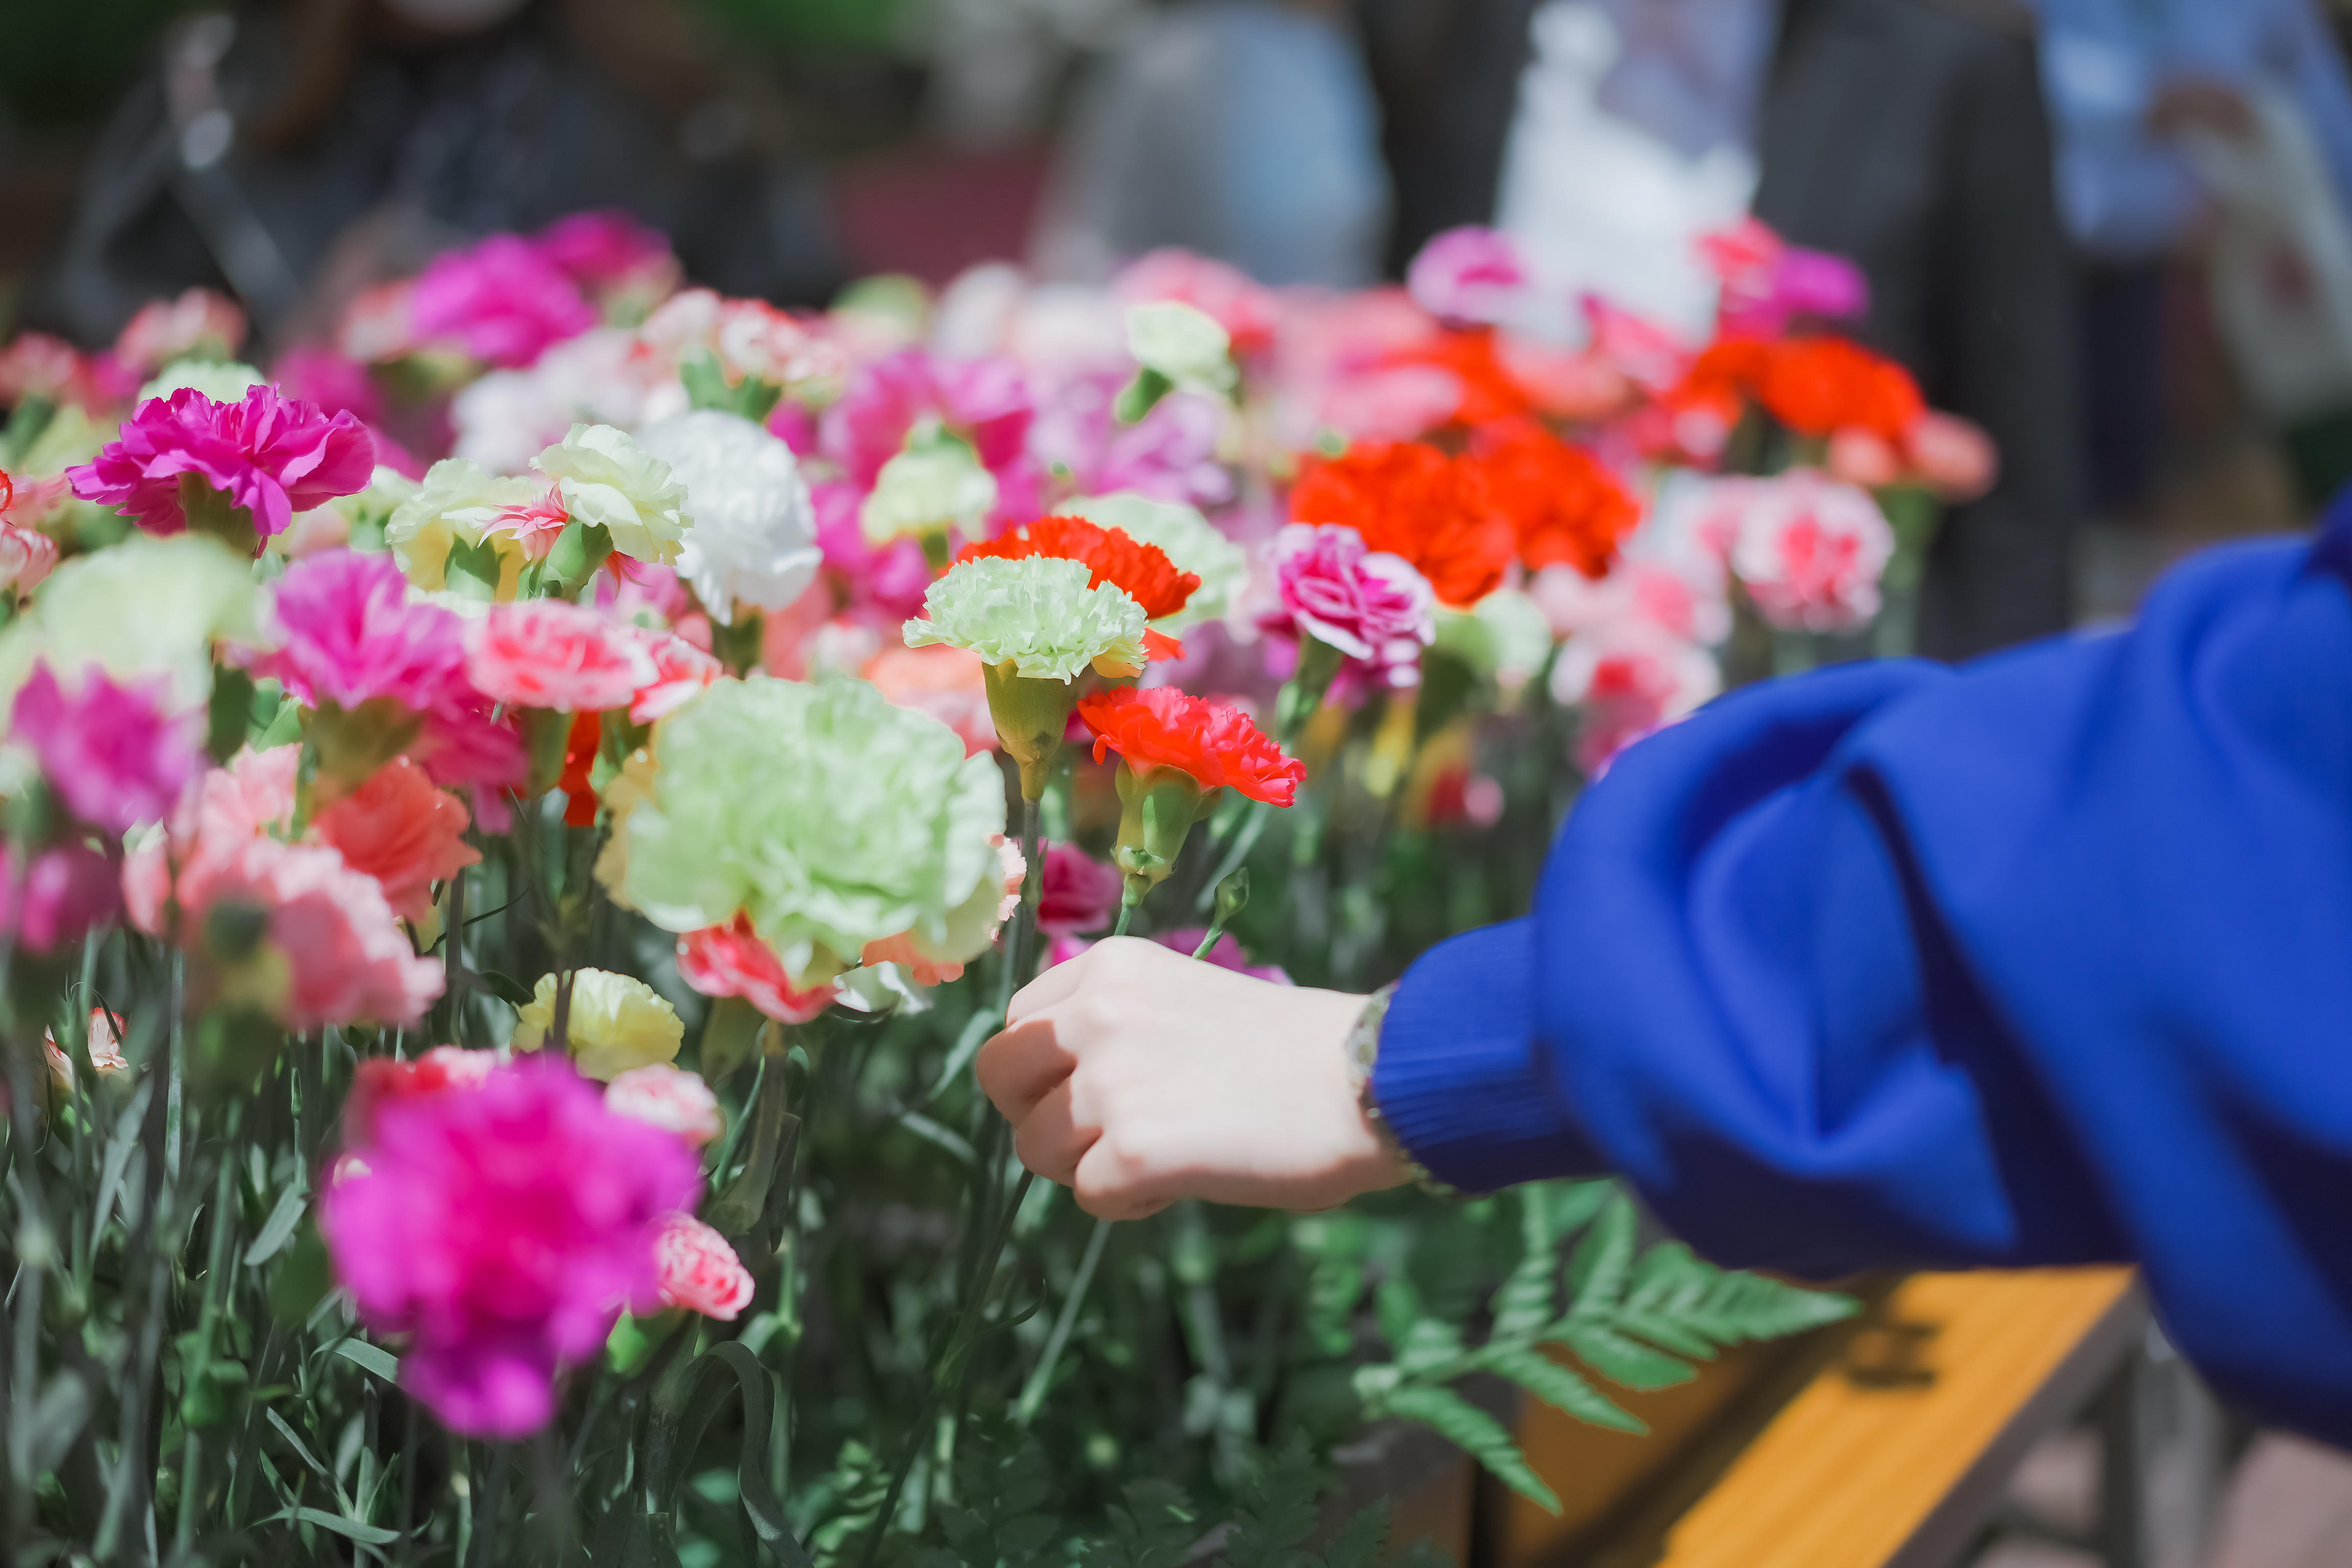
point(2045, 960)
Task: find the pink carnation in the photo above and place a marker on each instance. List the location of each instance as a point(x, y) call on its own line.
point(350, 633)
point(199, 324)
point(336, 383)
point(1370, 605)
point(545, 653)
point(1628, 678)
point(1769, 283)
point(1225, 293)
point(886, 582)
point(502, 1228)
point(35, 364)
point(502, 301)
point(1950, 455)
point(56, 897)
point(267, 454)
point(1468, 276)
point(1808, 549)
point(732, 961)
point(606, 251)
point(699, 1271)
point(401, 830)
point(986, 401)
point(681, 673)
point(670, 1097)
point(111, 752)
point(1078, 893)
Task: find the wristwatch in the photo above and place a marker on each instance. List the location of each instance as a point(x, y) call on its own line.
point(1363, 1048)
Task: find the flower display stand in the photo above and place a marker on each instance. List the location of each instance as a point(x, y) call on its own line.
point(1888, 1443)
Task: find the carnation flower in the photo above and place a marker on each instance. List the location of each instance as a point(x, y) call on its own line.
point(199, 324)
point(1952, 457)
point(105, 1040)
point(401, 830)
point(1808, 549)
point(502, 301)
point(112, 752)
point(698, 1271)
point(608, 252)
point(1410, 500)
point(28, 556)
point(1143, 571)
point(607, 482)
point(190, 594)
point(951, 684)
point(349, 634)
point(1819, 385)
point(732, 961)
point(1246, 310)
point(1627, 678)
point(1043, 616)
point(268, 456)
point(1565, 506)
point(502, 1228)
point(828, 816)
point(681, 672)
point(381, 1080)
point(458, 504)
point(1078, 893)
point(1183, 344)
point(1768, 283)
point(57, 896)
point(1468, 275)
point(1372, 607)
point(1193, 544)
point(545, 653)
point(616, 1022)
point(934, 488)
point(938, 959)
point(908, 398)
point(1217, 746)
point(754, 533)
point(670, 1097)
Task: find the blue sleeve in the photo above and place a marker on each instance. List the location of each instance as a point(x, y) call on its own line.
point(2047, 960)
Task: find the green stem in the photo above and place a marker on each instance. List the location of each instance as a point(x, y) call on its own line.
point(1126, 913)
point(1244, 839)
point(1032, 1394)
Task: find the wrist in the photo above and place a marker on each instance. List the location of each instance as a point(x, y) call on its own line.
point(1393, 1164)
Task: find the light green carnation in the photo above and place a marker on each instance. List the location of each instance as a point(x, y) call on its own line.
point(1191, 540)
point(929, 488)
point(1182, 344)
point(1505, 638)
point(369, 511)
point(829, 816)
point(145, 609)
point(457, 503)
point(1038, 616)
point(223, 381)
point(606, 481)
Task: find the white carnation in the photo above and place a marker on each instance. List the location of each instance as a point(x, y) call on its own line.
point(608, 481)
point(754, 533)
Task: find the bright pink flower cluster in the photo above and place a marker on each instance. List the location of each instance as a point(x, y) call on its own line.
point(603, 251)
point(1468, 277)
point(1769, 283)
point(502, 1228)
point(1370, 605)
point(267, 454)
point(503, 302)
point(111, 752)
point(986, 401)
point(546, 653)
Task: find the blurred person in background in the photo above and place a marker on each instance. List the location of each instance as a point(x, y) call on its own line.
point(1906, 135)
point(295, 154)
point(2135, 88)
point(1241, 129)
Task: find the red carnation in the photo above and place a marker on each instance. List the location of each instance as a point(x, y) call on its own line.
point(1565, 506)
point(1412, 499)
point(1818, 385)
point(1143, 571)
point(1217, 746)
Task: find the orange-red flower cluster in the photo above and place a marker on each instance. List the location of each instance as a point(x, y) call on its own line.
point(1567, 507)
point(1217, 746)
point(1412, 499)
point(1490, 391)
point(1815, 386)
point(1143, 571)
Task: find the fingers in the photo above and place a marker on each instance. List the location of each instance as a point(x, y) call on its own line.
point(1109, 1183)
point(1020, 1067)
point(1052, 1140)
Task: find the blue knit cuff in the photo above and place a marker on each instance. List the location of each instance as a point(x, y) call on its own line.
point(1461, 1078)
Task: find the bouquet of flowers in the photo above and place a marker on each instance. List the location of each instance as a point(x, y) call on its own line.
point(495, 947)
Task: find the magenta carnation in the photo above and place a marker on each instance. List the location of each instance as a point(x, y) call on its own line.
point(599, 250)
point(502, 1227)
point(268, 453)
point(1370, 605)
point(349, 632)
point(56, 897)
point(1468, 275)
point(502, 301)
point(110, 751)
point(1078, 893)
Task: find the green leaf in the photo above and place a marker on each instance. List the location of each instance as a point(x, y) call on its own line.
point(1573, 1203)
point(278, 1228)
point(734, 1211)
point(1398, 1307)
point(228, 714)
point(1431, 1342)
point(58, 1417)
point(351, 1529)
point(374, 1358)
point(1598, 1272)
point(1561, 1388)
point(1358, 1542)
point(683, 1409)
point(505, 987)
point(1743, 1307)
point(1622, 1360)
point(1475, 1433)
point(1530, 1297)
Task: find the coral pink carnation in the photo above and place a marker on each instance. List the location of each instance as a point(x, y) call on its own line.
point(698, 1271)
point(267, 454)
point(401, 830)
point(732, 961)
point(110, 751)
point(503, 302)
point(502, 1228)
point(350, 633)
point(26, 557)
point(1809, 550)
point(545, 653)
point(681, 672)
point(664, 1095)
point(199, 324)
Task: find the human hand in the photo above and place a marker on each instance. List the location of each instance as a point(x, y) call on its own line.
point(1136, 1076)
